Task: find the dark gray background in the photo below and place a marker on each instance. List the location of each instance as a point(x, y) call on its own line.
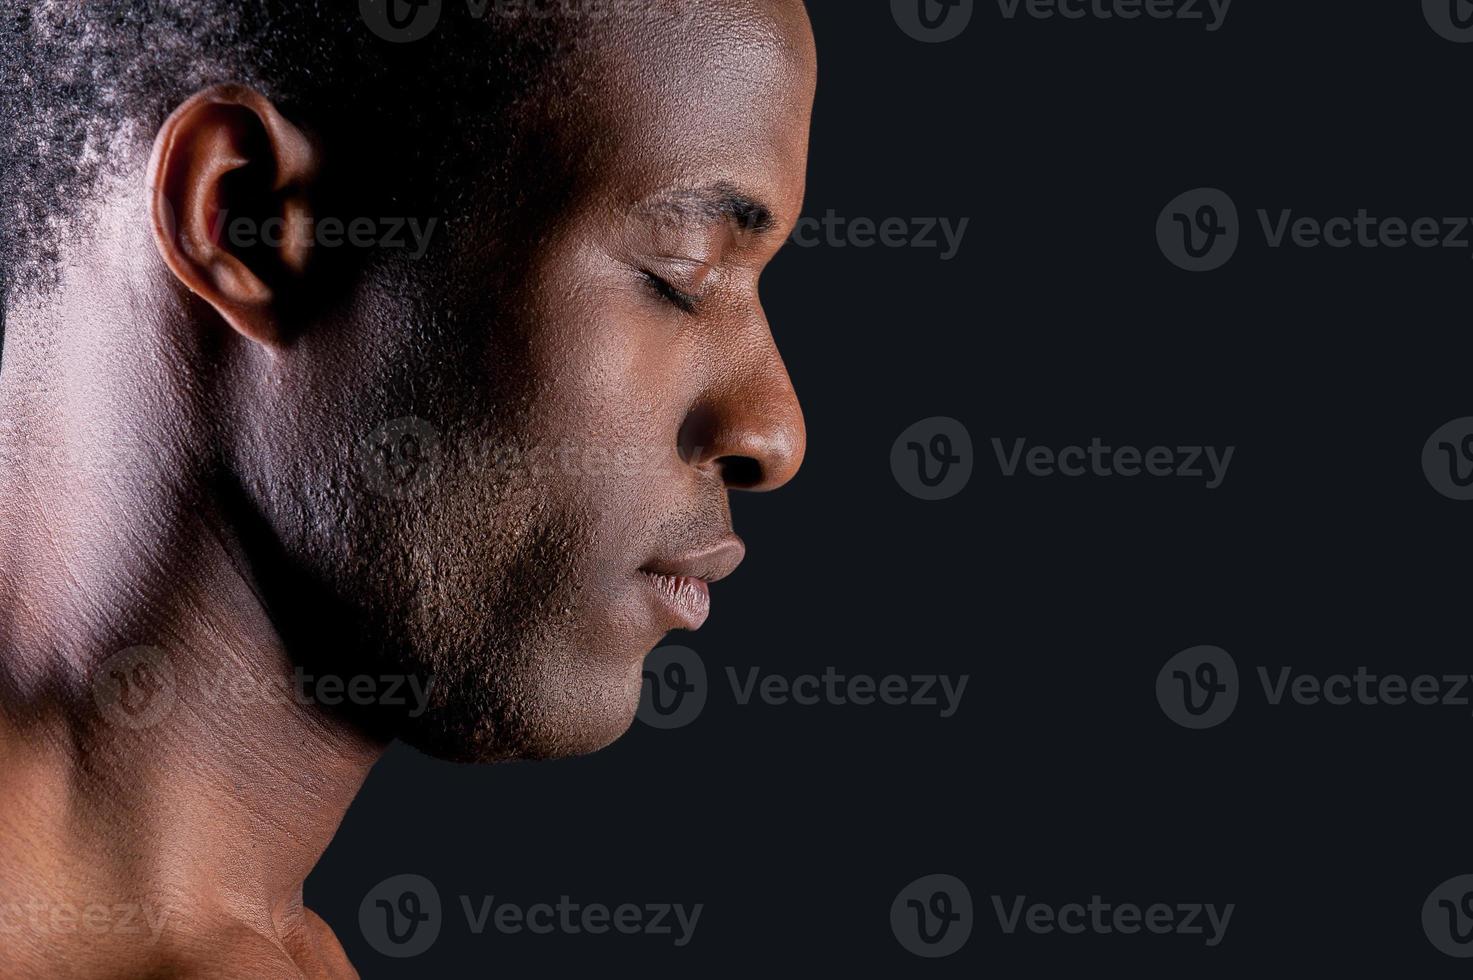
point(1060, 777)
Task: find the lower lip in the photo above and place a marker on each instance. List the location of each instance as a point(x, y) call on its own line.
point(688, 599)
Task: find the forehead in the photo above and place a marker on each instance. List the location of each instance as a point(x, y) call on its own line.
point(698, 93)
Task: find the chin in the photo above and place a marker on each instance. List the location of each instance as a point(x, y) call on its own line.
point(564, 710)
point(589, 706)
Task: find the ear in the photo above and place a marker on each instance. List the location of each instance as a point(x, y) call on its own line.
point(229, 182)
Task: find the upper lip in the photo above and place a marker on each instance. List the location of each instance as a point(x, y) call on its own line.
point(709, 564)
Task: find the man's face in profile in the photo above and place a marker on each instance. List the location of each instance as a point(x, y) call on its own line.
point(517, 482)
point(236, 449)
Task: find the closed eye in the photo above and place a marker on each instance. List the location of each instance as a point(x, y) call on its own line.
point(662, 287)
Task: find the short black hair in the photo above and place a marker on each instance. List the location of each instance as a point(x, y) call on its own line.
point(82, 80)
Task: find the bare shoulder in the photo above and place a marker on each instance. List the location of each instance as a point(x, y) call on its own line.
point(324, 951)
point(241, 956)
point(313, 954)
point(236, 958)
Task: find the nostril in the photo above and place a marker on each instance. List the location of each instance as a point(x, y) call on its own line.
point(740, 472)
point(694, 441)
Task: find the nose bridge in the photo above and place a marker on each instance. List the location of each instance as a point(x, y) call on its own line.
point(749, 424)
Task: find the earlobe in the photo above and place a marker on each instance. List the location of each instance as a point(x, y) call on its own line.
point(229, 181)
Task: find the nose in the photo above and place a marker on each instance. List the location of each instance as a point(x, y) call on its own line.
point(748, 426)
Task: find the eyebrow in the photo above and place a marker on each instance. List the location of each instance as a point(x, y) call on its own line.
point(714, 203)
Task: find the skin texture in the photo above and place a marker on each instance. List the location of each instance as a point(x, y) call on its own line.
point(191, 453)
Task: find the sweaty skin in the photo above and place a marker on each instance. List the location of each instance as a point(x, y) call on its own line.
point(182, 468)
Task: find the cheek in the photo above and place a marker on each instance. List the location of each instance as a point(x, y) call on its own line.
point(606, 391)
point(612, 366)
point(603, 380)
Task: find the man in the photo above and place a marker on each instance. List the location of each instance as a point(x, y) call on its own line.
point(477, 451)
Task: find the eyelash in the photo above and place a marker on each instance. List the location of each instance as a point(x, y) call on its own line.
point(684, 302)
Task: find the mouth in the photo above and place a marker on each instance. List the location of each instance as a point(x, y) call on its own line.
point(682, 585)
point(687, 599)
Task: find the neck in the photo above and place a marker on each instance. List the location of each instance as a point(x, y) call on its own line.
point(154, 753)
